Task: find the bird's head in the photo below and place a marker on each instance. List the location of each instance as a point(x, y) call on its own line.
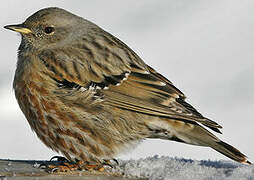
point(49, 27)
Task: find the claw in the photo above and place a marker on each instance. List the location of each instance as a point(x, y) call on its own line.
point(108, 163)
point(59, 168)
point(53, 170)
point(115, 160)
point(43, 166)
point(59, 158)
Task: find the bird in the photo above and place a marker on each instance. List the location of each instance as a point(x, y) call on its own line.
point(90, 97)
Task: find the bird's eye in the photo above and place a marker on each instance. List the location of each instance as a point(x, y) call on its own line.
point(49, 30)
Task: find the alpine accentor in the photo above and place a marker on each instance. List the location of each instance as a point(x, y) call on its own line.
point(87, 95)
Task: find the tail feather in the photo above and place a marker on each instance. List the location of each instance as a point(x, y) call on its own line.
point(194, 134)
point(230, 152)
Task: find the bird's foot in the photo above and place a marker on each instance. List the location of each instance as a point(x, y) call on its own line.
point(64, 165)
point(97, 166)
point(59, 164)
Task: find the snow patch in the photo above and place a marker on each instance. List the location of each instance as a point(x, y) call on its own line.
point(163, 168)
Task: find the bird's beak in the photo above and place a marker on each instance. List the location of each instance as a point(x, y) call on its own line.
point(18, 28)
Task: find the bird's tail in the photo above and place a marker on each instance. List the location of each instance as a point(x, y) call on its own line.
point(230, 152)
point(196, 135)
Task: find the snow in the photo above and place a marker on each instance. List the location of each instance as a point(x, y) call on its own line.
point(163, 168)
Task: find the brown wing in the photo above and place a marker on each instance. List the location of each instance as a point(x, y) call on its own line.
point(121, 77)
point(150, 93)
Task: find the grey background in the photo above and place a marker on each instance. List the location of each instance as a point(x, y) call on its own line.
point(204, 47)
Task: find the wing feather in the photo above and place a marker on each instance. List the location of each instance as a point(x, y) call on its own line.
point(123, 80)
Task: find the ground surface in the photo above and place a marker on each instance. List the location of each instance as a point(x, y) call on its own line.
point(154, 168)
point(26, 170)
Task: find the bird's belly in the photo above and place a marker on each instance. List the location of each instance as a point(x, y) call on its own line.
point(73, 130)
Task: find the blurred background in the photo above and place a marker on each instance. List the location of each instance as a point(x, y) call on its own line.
point(206, 48)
